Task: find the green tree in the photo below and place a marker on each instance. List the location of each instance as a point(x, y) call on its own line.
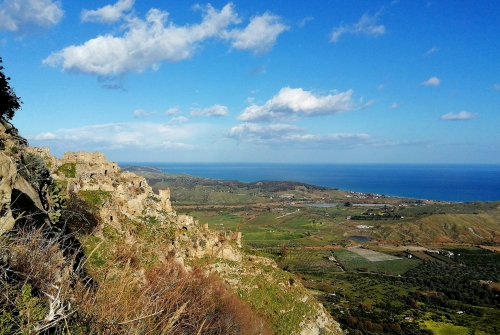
point(9, 101)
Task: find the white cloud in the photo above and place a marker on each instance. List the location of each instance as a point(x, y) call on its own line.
point(496, 87)
point(176, 146)
point(216, 110)
point(285, 134)
point(463, 115)
point(107, 14)
point(45, 136)
point(252, 131)
point(433, 81)
point(172, 111)
point(291, 103)
point(293, 137)
point(178, 120)
point(366, 25)
point(139, 113)
point(380, 87)
point(122, 135)
point(304, 21)
point(146, 43)
point(431, 51)
point(394, 105)
point(260, 34)
point(22, 15)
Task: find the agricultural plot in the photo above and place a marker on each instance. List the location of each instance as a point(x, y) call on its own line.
point(311, 262)
point(352, 261)
point(422, 255)
point(372, 256)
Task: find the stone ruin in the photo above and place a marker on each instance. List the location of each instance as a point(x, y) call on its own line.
point(131, 196)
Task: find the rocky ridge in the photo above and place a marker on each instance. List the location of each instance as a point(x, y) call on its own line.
point(127, 211)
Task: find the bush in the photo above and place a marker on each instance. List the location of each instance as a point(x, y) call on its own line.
point(9, 101)
point(33, 169)
point(68, 170)
point(39, 276)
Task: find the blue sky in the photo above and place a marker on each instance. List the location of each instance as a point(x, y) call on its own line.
point(258, 81)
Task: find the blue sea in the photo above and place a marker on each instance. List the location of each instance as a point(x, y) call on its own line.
point(450, 182)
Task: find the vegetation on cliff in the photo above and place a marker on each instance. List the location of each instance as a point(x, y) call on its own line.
point(9, 101)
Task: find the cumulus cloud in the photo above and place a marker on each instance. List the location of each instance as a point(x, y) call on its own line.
point(216, 110)
point(367, 25)
point(145, 43)
point(291, 103)
point(123, 135)
point(463, 115)
point(260, 34)
point(22, 15)
point(139, 113)
point(107, 14)
point(433, 81)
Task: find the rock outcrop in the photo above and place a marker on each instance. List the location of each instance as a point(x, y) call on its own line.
point(127, 196)
point(19, 200)
point(130, 213)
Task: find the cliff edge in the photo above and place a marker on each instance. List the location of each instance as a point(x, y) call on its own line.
point(127, 231)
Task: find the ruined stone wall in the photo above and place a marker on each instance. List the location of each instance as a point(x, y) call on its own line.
point(89, 164)
point(132, 197)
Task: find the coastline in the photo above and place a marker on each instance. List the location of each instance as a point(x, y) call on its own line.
point(442, 182)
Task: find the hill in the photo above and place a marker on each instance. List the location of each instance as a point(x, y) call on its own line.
point(88, 248)
point(193, 190)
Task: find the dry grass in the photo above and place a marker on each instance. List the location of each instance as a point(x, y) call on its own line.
point(165, 300)
point(42, 292)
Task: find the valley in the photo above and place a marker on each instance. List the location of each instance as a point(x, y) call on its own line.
point(378, 264)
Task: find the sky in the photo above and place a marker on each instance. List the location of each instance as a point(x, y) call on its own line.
point(339, 81)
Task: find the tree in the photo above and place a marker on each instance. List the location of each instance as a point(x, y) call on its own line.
point(9, 101)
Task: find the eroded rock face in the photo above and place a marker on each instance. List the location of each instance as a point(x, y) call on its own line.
point(129, 194)
point(18, 199)
point(8, 173)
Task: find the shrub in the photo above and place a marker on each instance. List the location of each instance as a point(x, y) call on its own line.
point(38, 279)
point(33, 169)
point(10, 102)
point(95, 198)
point(68, 170)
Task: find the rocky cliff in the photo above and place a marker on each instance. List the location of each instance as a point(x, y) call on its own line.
point(128, 222)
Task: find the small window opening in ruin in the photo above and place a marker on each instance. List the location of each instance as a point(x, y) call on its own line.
point(105, 172)
point(111, 218)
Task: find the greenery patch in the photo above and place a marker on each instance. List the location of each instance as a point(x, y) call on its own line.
point(68, 170)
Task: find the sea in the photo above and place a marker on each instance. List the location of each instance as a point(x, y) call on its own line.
point(445, 182)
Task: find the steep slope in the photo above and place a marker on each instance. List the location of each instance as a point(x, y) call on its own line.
point(133, 241)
